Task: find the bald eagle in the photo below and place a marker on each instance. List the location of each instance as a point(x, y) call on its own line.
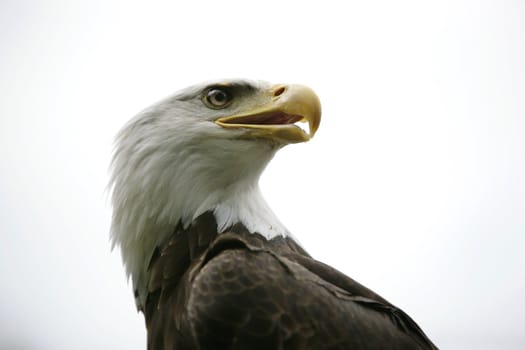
point(212, 267)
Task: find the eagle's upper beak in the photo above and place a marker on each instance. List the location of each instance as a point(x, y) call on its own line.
point(288, 104)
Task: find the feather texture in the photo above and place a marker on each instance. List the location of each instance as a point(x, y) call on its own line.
point(239, 290)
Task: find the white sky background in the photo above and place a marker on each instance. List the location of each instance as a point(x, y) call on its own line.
point(414, 184)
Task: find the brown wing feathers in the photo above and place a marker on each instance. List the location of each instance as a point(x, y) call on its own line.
point(237, 290)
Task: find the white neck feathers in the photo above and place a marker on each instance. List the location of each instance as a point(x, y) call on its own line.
point(160, 180)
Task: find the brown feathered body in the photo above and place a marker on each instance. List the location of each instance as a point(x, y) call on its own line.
point(238, 290)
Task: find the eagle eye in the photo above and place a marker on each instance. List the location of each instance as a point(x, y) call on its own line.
point(217, 98)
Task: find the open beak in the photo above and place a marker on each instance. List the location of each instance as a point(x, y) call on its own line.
point(276, 120)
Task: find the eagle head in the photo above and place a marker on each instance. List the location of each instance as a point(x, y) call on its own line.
point(202, 149)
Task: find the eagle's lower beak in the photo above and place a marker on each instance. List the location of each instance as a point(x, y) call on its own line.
point(288, 104)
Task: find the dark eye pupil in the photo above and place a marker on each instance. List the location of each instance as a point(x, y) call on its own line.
point(220, 96)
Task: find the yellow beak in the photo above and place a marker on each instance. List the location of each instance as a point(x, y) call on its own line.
point(288, 104)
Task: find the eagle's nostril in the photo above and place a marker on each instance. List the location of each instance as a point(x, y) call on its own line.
point(279, 91)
